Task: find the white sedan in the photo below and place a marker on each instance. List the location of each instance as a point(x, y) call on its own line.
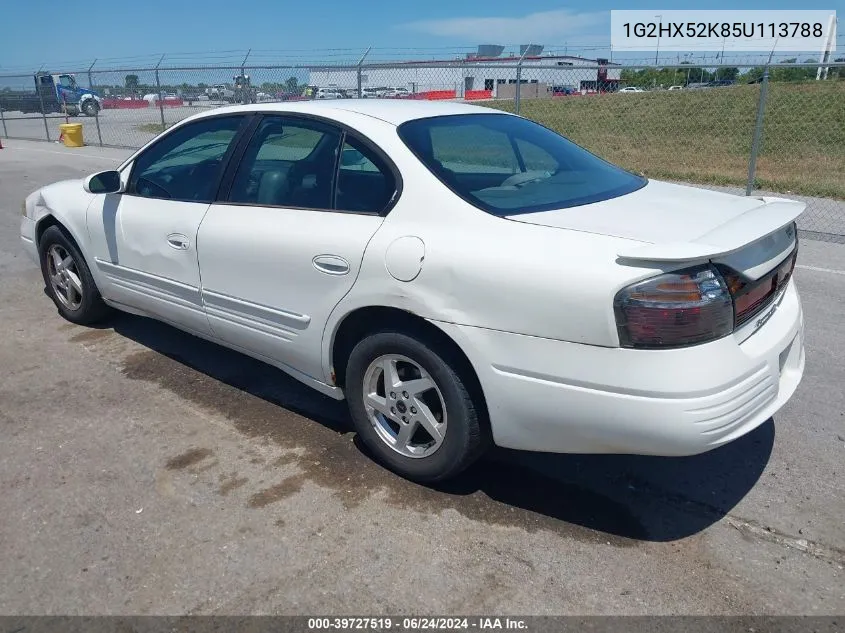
point(461, 276)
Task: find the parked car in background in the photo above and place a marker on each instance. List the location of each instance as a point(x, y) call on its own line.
point(720, 83)
point(394, 93)
point(458, 291)
point(328, 93)
point(676, 87)
point(564, 90)
point(221, 92)
point(631, 89)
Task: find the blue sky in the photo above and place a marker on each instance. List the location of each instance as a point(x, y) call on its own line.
point(56, 33)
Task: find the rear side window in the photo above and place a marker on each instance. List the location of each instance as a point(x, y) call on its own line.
point(507, 165)
point(288, 163)
point(294, 162)
point(364, 183)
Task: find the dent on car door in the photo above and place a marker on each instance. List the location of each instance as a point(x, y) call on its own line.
point(144, 240)
point(286, 244)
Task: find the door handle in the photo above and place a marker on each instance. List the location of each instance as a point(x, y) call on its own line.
point(178, 241)
point(331, 264)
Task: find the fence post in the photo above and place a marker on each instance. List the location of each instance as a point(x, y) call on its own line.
point(358, 72)
point(158, 90)
point(3, 119)
point(758, 132)
point(246, 91)
point(97, 109)
point(517, 94)
point(41, 101)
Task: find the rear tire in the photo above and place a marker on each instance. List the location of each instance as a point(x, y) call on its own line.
point(426, 426)
point(68, 279)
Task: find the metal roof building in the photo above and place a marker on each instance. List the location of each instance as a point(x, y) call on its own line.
point(469, 76)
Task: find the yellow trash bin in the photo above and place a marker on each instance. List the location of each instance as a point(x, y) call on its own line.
point(71, 134)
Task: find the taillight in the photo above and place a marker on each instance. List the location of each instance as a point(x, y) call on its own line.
point(675, 309)
point(752, 296)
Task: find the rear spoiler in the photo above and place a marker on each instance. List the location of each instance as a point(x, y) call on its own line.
point(755, 224)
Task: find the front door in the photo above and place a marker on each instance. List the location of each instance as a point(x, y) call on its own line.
point(144, 240)
point(286, 245)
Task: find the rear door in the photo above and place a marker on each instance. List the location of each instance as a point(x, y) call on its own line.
point(285, 243)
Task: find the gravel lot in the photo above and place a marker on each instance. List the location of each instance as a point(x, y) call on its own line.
point(122, 128)
point(143, 471)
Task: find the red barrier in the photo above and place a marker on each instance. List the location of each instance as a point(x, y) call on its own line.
point(434, 95)
point(124, 104)
point(134, 104)
point(470, 95)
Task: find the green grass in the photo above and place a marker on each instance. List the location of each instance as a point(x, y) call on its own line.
point(152, 128)
point(704, 136)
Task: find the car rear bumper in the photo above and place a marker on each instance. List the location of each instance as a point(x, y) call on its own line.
point(546, 395)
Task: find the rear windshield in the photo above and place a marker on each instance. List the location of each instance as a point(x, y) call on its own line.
point(507, 165)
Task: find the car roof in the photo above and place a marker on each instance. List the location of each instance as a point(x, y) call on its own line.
point(394, 111)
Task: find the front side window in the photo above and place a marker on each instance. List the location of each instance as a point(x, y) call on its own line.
point(507, 165)
point(186, 164)
point(288, 163)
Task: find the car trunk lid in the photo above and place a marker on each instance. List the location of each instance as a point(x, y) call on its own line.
point(675, 223)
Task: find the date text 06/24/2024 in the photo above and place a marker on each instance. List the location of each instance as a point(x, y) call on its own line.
point(416, 623)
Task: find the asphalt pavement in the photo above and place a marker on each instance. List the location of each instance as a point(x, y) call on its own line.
point(144, 471)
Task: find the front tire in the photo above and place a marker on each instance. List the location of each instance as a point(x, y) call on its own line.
point(90, 107)
point(412, 408)
point(68, 279)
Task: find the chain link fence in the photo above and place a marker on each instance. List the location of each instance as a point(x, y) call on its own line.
point(774, 129)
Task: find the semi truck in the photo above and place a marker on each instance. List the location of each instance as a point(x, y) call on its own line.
point(53, 93)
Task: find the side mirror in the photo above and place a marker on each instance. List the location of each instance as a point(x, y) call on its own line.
point(103, 182)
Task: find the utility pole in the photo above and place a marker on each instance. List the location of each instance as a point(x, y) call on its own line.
point(829, 44)
point(358, 73)
point(721, 60)
point(657, 52)
point(160, 96)
point(97, 110)
point(517, 96)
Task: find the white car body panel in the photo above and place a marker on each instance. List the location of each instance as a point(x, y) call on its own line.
point(712, 224)
point(133, 248)
point(528, 299)
point(267, 294)
point(562, 397)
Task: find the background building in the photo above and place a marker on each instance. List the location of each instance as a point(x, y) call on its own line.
point(477, 72)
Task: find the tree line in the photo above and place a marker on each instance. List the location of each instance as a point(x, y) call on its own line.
point(689, 73)
point(133, 86)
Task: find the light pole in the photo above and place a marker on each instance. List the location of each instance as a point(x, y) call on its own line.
point(721, 60)
point(657, 52)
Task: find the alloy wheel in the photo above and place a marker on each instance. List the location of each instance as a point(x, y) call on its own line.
point(64, 277)
point(404, 405)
